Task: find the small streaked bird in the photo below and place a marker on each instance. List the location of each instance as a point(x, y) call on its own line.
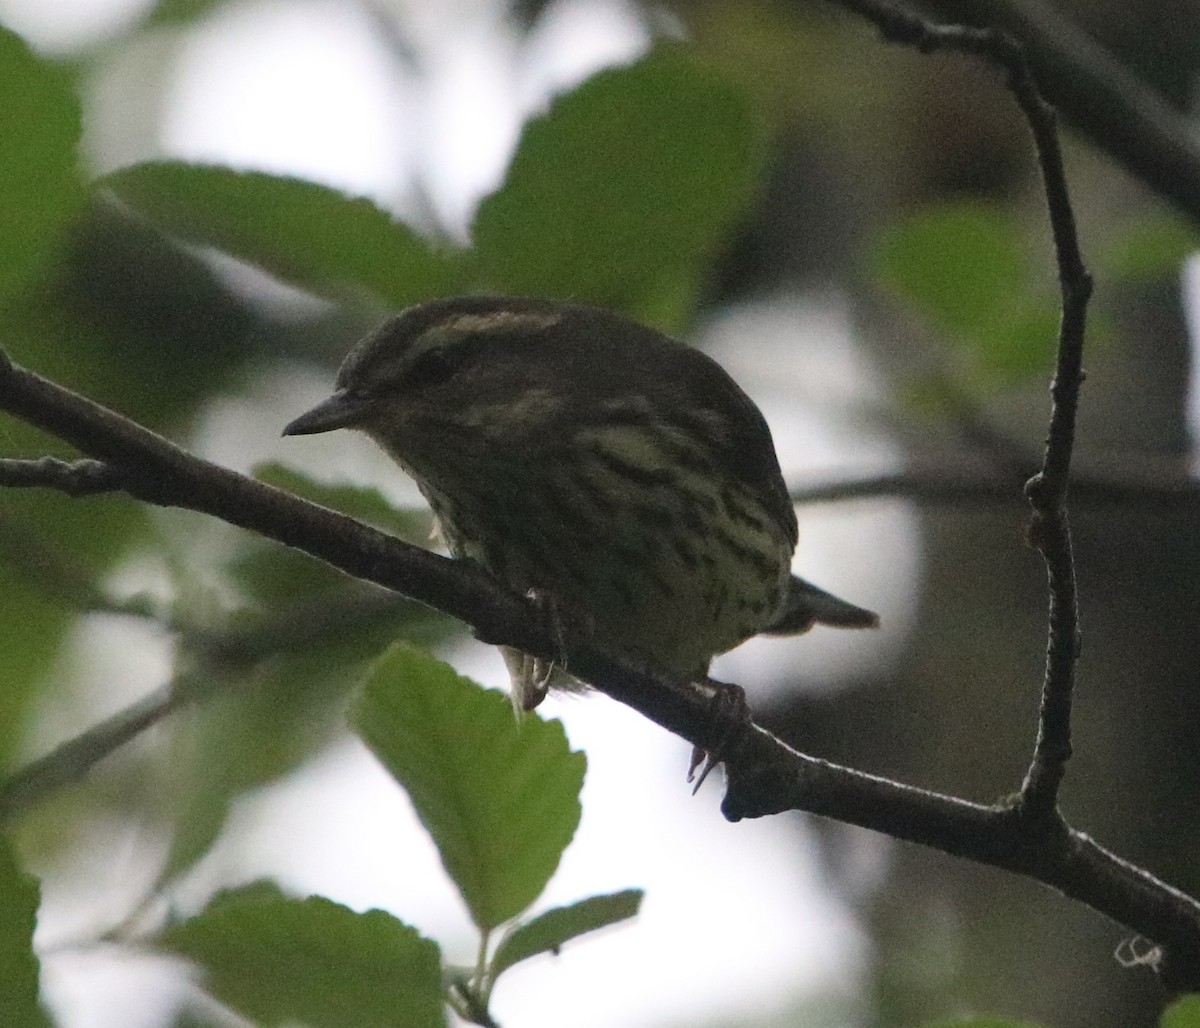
point(620, 476)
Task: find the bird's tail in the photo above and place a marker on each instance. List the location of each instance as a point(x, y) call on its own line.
point(805, 605)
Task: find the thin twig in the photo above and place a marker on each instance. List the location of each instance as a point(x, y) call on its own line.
point(959, 486)
point(300, 627)
point(72, 760)
point(1043, 838)
point(1047, 491)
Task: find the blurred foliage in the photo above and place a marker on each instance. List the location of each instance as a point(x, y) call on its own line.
point(500, 799)
point(624, 190)
point(588, 209)
point(368, 505)
point(40, 192)
point(967, 269)
point(18, 964)
point(1183, 1013)
point(1149, 250)
point(40, 196)
point(308, 235)
point(268, 643)
point(981, 1022)
point(312, 961)
point(781, 147)
point(180, 12)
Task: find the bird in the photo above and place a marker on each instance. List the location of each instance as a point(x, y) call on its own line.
point(617, 475)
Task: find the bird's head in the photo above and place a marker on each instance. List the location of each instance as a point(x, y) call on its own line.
point(450, 374)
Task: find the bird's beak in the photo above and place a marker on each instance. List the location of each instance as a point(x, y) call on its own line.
point(339, 411)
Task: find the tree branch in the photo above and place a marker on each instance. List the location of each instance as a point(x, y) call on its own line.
point(1030, 835)
point(768, 777)
point(75, 478)
point(764, 775)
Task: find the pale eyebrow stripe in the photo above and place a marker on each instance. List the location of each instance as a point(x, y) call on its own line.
point(502, 321)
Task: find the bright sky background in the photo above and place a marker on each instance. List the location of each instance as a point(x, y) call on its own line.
point(737, 919)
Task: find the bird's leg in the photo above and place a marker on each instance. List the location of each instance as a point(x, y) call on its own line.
point(729, 712)
point(528, 683)
point(531, 676)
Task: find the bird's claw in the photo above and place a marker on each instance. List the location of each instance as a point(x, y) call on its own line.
point(729, 712)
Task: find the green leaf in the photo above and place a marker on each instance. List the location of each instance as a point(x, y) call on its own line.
point(369, 505)
point(18, 964)
point(282, 961)
point(1020, 345)
point(547, 932)
point(960, 264)
point(51, 556)
point(273, 578)
point(34, 626)
point(179, 13)
point(1183, 1013)
point(625, 188)
point(265, 721)
point(500, 797)
point(93, 325)
point(981, 1022)
point(1154, 248)
point(305, 234)
point(39, 186)
point(964, 267)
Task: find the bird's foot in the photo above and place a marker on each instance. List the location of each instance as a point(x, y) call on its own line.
point(729, 712)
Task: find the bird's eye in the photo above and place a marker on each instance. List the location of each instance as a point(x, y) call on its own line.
point(431, 368)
